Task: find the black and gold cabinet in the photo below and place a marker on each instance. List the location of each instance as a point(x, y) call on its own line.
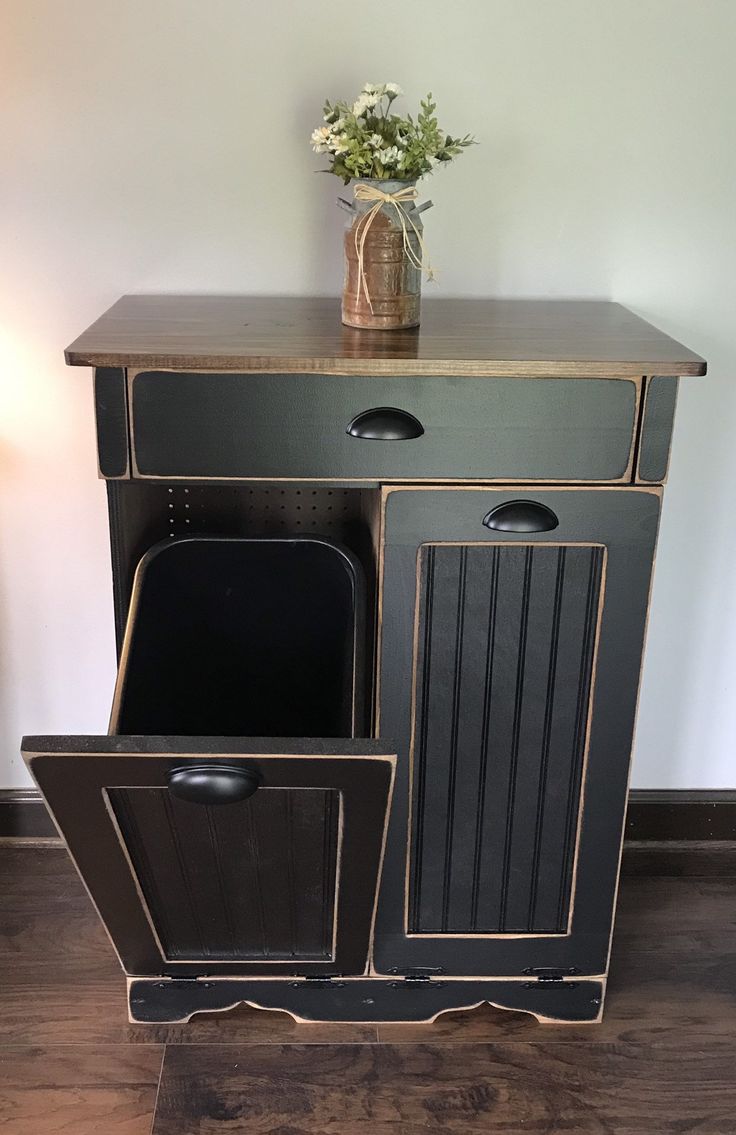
point(521, 647)
point(380, 603)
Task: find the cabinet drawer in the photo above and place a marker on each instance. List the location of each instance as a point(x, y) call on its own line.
point(204, 425)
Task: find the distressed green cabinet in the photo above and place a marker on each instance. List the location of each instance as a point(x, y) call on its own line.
point(380, 602)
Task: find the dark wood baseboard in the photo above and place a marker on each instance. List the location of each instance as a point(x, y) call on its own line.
point(680, 832)
point(660, 815)
point(687, 833)
point(23, 817)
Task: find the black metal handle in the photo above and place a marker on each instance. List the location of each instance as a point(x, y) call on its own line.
point(521, 516)
point(212, 784)
point(385, 423)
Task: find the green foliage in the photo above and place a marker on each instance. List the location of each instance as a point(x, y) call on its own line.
point(364, 139)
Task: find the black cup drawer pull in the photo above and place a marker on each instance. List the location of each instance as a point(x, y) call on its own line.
point(212, 784)
point(521, 516)
point(385, 423)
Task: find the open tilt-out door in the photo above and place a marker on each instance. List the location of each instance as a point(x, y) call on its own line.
point(224, 855)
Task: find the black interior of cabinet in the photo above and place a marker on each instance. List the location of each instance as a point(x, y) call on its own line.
point(142, 513)
point(233, 636)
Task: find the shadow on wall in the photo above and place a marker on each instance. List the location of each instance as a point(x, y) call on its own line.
point(687, 723)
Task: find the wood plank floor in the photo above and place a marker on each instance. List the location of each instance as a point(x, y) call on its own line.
point(663, 1060)
point(79, 1088)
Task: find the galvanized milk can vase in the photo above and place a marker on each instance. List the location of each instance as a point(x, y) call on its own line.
point(380, 156)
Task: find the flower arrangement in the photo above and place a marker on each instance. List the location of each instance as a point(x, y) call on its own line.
point(364, 139)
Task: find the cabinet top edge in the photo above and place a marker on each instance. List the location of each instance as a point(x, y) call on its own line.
point(457, 337)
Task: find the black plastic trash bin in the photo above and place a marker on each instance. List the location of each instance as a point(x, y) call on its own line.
point(243, 637)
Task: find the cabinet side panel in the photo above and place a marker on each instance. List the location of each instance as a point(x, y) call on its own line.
point(254, 880)
point(111, 413)
point(504, 670)
point(656, 434)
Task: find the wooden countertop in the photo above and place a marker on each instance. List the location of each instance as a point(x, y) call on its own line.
point(457, 337)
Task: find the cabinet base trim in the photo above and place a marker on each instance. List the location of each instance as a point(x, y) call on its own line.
point(170, 1001)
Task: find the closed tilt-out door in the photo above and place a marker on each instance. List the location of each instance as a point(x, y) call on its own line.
point(512, 627)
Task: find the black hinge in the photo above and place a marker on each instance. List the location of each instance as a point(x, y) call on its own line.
point(173, 982)
point(550, 976)
point(416, 976)
point(313, 980)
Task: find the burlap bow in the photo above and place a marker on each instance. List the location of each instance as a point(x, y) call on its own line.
point(363, 192)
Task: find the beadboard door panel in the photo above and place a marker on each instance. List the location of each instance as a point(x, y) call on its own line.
point(253, 881)
point(509, 749)
point(281, 883)
point(509, 668)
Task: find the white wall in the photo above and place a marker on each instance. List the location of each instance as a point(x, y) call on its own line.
point(161, 145)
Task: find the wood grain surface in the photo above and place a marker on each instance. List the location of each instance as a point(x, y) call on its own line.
point(71, 1089)
point(458, 337)
point(662, 1060)
point(412, 1089)
point(62, 982)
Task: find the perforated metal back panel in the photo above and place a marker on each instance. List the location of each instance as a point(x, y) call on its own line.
point(226, 510)
point(142, 514)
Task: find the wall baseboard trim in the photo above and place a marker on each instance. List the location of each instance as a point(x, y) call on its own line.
point(700, 816)
point(673, 832)
point(680, 832)
point(24, 819)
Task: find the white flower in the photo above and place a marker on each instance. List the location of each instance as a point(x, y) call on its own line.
point(392, 89)
point(364, 102)
point(322, 140)
point(375, 141)
point(373, 89)
point(340, 144)
point(390, 156)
